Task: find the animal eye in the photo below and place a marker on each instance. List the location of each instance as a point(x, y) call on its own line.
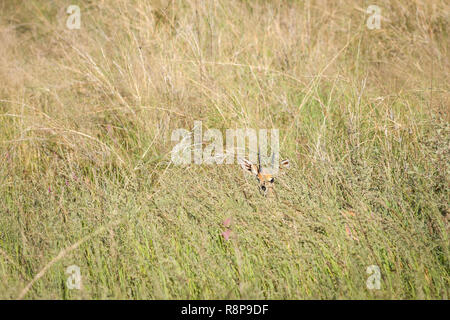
point(263, 188)
point(271, 180)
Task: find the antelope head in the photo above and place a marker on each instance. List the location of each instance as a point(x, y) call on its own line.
point(264, 175)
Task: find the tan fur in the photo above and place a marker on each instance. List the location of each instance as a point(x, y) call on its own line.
point(265, 179)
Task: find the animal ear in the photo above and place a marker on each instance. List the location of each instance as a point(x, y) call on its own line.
point(248, 166)
point(285, 164)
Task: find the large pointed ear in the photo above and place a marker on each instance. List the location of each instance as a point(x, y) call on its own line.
point(248, 166)
point(285, 164)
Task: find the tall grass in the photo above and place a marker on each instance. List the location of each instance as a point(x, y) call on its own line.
point(85, 123)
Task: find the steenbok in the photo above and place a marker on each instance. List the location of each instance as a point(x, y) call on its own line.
point(264, 175)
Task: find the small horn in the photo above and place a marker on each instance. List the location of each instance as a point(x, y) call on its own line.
point(273, 159)
point(259, 160)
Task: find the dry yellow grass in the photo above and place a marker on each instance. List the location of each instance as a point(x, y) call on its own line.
point(85, 122)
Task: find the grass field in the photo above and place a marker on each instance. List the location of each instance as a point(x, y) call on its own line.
point(86, 178)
